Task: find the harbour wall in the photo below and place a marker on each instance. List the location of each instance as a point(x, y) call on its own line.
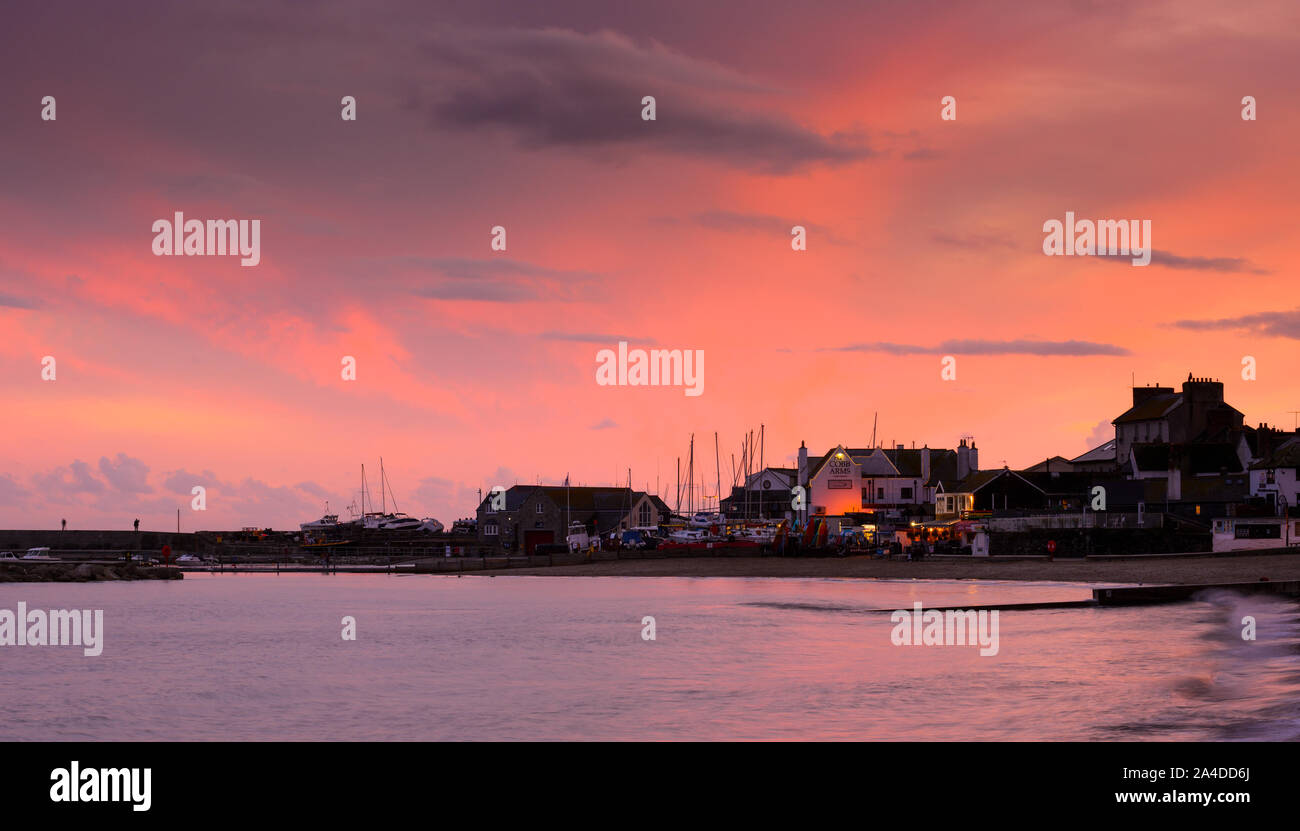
point(19, 541)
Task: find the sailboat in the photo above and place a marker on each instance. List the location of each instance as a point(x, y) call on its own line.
point(384, 520)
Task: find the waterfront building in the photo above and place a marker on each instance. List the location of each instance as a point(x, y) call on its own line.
point(895, 483)
point(532, 515)
point(1275, 479)
point(766, 494)
point(1161, 416)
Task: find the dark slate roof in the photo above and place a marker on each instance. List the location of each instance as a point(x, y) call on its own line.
point(1288, 455)
point(586, 500)
point(1265, 440)
point(1055, 464)
point(515, 497)
point(983, 478)
point(1059, 484)
point(1102, 453)
point(943, 463)
point(1157, 406)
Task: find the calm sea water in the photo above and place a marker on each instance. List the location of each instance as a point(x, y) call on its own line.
point(440, 657)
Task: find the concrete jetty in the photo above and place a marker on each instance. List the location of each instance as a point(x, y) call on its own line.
point(1148, 595)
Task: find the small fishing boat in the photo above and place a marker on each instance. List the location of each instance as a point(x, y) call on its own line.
point(578, 539)
point(327, 522)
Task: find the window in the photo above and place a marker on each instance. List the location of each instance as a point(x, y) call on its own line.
point(643, 515)
point(880, 494)
point(490, 529)
point(906, 493)
point(539, 507)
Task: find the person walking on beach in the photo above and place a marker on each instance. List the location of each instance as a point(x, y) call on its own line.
point(137, 525)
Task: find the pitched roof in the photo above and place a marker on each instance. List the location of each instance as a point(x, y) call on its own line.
point(1157, 406)
point(578, 498)
point(1288, 455)
point(1066, 483)
point(890, 462)
point(1056, 464)
point(983, 478)
point(1102, 453)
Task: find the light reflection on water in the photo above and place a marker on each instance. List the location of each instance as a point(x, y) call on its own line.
point(440, 657)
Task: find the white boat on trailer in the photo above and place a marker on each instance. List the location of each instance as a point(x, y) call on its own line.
point(327, 522)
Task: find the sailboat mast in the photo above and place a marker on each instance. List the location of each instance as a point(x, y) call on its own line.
point(717, 470)
point(690, 477)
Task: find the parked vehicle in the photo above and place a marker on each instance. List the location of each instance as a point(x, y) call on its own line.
point(41, 553)
point(7, 555)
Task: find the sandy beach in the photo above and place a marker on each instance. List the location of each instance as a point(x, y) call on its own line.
point(1189, 569)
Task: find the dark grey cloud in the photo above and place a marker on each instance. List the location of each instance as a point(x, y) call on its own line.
point(125, 474)
point(1231, 265)
point(15, 302)
point(183, 481)
point(68, 481)
point(1270, 324)
point(604, 424)
point(498, 280)
point(313, 489)
point(922, 154)
point(487, 291)
point(988, 347)
point(589, 337)
point(11, 492)
point(977, 241)
point(559, 88)
point(739, 222)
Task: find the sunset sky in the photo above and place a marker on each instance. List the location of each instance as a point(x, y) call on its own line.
point(477, 368)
